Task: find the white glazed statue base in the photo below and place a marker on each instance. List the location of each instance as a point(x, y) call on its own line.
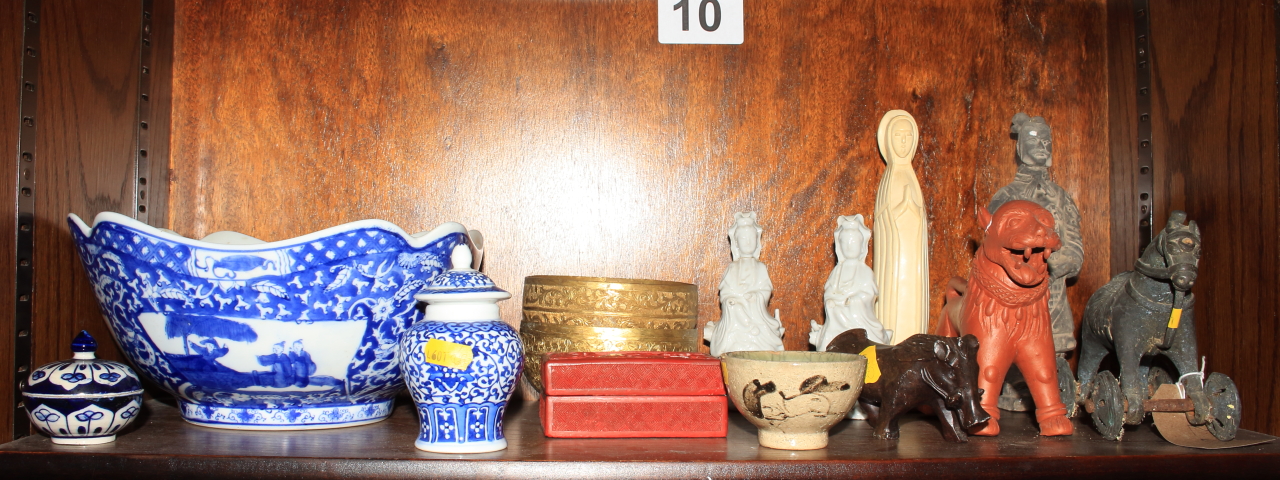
point(468, 447)
point(857, 413)
point(83, 440)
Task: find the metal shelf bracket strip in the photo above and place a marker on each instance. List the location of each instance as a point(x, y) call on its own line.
point(26, 210)
point(1146, 165)
point(141, 164)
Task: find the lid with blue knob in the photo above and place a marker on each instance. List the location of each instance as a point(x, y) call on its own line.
point(461, 293)
point(84, 375)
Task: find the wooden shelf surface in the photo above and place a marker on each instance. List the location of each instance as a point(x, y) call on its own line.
point(163, 445)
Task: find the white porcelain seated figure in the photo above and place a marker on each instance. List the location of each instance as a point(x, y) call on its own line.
point(745, 323)
point(849, 297)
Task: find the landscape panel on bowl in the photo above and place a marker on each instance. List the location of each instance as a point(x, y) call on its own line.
point(311, 322)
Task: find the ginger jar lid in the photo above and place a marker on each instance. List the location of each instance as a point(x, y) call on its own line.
point(461, 281)
point(461, 284)
point(83, 376)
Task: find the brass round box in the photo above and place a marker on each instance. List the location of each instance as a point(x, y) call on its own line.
point(595, 314)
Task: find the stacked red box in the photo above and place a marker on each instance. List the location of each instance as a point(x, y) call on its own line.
point(633, 394)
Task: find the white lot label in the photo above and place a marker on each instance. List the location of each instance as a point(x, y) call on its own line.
point(700, 21)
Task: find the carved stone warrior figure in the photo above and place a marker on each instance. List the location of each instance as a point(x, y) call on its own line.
point(901, 232)
point(1032, 183)
point(745, 323)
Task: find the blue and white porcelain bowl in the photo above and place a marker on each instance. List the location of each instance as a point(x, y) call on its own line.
point(295, 334)
point(82, 401)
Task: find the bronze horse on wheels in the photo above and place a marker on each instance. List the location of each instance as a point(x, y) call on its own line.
point(1142, 313)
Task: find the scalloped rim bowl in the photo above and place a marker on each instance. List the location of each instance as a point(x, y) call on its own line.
point(292, 334)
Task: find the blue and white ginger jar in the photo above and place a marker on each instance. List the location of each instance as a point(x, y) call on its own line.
point(461, 362)
point(82, 401)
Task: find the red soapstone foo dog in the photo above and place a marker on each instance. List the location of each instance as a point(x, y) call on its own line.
point(1006, 306)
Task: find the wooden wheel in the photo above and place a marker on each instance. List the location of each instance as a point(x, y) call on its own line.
point(1067, 387)
point(1224, 406)
point(1108, 406)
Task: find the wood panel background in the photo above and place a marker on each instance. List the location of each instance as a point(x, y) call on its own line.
point(581, 146)
point(155, 182)
point(87, 106)
point(12, 18)
point(1123, 119)
point(1215, 151)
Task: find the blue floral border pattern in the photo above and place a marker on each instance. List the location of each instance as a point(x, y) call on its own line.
point(461, 279)
point(70, 377)
point(70, 417)
point(336, 415)
point(367, 274)
point(473, 422)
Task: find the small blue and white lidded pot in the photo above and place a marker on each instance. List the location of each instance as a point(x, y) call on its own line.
point(461, 361)
point(82, 401)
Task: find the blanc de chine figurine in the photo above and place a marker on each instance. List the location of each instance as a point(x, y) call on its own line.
point(1032, 183)
point(745, 323)
point(1006, 306)
point(901, 232)
point(849, 296)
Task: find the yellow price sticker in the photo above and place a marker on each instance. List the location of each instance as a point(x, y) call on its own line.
point(448, 354)
point(873, 367)
point(1174, 317)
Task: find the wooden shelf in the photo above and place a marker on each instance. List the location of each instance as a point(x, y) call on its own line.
point(166, 446)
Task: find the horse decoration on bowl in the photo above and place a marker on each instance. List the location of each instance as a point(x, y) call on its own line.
point(1006, 307)
point(1142, 313)
point(295, 334)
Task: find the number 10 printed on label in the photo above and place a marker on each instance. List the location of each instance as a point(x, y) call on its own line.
point(700, 21)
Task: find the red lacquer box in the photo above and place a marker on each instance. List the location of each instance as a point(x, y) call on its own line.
point(635, 416)
point(632, 373)
point(633, 394)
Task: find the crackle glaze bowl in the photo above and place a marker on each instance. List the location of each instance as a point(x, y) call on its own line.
point(288, 335)
point(794, 398)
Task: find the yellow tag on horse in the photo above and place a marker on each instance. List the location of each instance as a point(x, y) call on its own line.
point(873, 367)
point(448, 354)
point(1174, 317)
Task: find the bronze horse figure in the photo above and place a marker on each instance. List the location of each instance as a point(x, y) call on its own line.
point(1145, 312)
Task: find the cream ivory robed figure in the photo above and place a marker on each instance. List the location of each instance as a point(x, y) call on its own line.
point(745, 323)
point(849, 296)
point(901, 232)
